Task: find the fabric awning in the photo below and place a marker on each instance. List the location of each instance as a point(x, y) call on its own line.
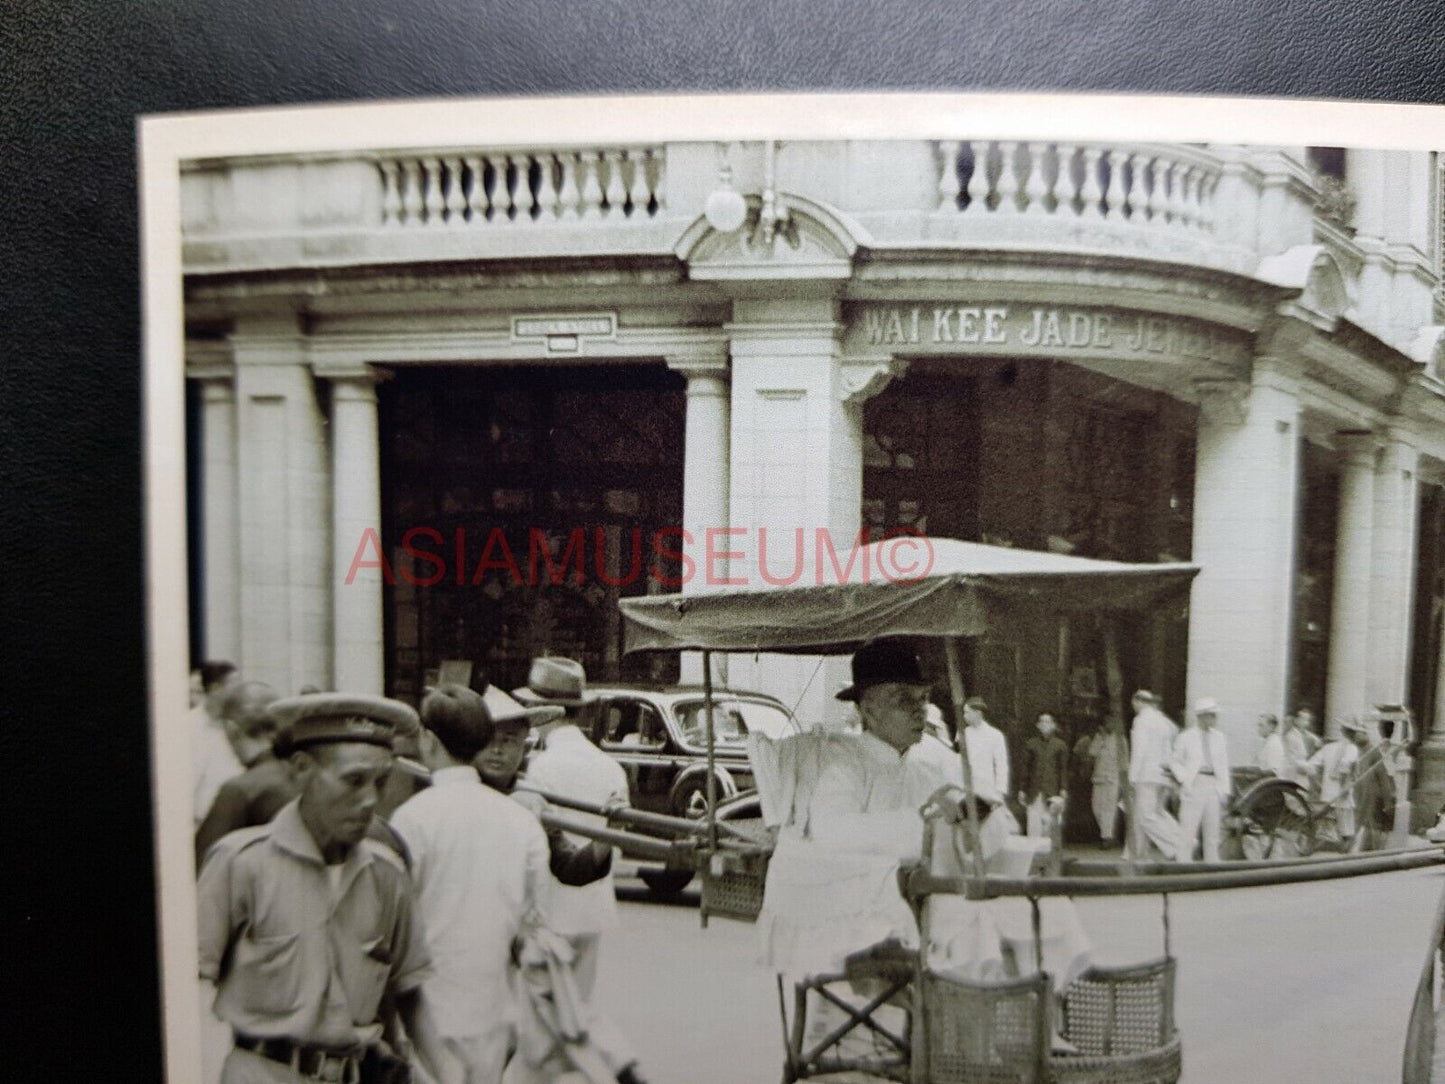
point(900, 587)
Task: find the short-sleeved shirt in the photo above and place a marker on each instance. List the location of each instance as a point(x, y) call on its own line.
point(480, 867)
point(570, 766)
point(291, 956)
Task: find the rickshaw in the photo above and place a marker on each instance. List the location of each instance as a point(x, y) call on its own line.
point(1117, 1022)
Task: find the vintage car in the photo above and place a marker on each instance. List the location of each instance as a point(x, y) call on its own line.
point(657, 734)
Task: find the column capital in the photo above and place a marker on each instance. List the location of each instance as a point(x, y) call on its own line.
point(1223, 402)
point(349, 378)
point(1358, 447)
point(863, 376)
point(210, 362)
point(706, 374)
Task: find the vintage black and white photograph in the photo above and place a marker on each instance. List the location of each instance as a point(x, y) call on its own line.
point(929, 589)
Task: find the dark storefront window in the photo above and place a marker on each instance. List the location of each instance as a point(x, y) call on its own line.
point(1045, 456)
point(1429, 609)
point(515, 461)
point(1314, 577)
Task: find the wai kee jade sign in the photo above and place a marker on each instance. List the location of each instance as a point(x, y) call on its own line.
point(1034, 329)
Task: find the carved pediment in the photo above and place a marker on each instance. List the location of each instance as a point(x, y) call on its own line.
point(1316, 273)
point(795, 238)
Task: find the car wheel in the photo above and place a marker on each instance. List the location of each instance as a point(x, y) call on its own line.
point(665, 882)
point(691, 799)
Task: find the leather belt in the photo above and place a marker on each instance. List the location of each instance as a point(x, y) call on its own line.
point(314, 1062)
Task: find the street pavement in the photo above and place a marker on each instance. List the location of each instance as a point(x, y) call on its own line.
point(1299, 984)
point(1306, 983)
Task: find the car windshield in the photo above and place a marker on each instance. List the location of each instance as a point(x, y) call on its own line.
point(733, 720)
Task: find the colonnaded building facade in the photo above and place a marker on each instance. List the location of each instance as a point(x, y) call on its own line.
point(418, 378)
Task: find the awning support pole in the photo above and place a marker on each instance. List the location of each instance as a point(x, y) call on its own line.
point(955, 685)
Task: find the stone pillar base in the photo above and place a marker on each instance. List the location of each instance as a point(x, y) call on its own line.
point(1428, 797)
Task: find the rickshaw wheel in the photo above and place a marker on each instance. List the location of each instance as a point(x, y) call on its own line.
point(1274, 821)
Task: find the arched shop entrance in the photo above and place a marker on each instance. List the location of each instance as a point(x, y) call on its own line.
point(485, 465)
point(1043, 455)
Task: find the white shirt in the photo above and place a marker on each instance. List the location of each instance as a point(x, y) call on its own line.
point(987, 761)
point(1202, 755)
point(1336, 763)
point(215, 760)
point(480, 867)
point(1151, 745)
point(570, 766)
point(1271, 755)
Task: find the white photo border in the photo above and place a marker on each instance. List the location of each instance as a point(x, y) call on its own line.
point(165, 142)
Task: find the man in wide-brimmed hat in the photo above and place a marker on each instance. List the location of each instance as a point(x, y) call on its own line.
point(568, 765)
point(1333, 769)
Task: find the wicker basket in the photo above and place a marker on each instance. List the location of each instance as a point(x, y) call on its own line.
point(986, 1033)
point(736, 892)
point(1122, 1021)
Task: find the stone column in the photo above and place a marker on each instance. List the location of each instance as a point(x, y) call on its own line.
point(220, 571)
point(707, 467)
point(357, 621)
point(1392, 582)
point(797, 473)
point(284, 507)
point(1246, 492)
point(1346, 693)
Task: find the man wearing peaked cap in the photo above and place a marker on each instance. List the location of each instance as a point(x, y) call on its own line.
point(570, 766)
point(305, 924)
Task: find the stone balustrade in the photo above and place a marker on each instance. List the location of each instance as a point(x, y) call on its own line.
point(1159, 187)
point(497, 188)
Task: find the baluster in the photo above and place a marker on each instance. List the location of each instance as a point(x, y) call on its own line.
point(435, 204)
point(1066, 184)
point(476, 208)
point(978, 181)
point(1205, 219)
point(616, 191)
point(1176, 201)
point(1037, 186)
point(1008, 179)
point(456, 196)
point(547, 187)
point(948, 186)
point(499, 200)
point(411, 192)
point(1186, 196)
point(1154, 191)
point(522, 198)
point(568, 195)
point(1114, 190)
point(1091, 192)
point(1128, 184)
point(390, 193)
point(659, 178)
point(591, 166)
point(639, 195)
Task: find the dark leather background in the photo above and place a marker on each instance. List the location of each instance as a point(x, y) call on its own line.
point(77, 949)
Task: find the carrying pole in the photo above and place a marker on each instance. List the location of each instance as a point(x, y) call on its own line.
point(707, 707)
point(955, 686)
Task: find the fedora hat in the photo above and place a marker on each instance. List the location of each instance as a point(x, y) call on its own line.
point(554, 681)
point(1207, 706)
point(880, 662)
